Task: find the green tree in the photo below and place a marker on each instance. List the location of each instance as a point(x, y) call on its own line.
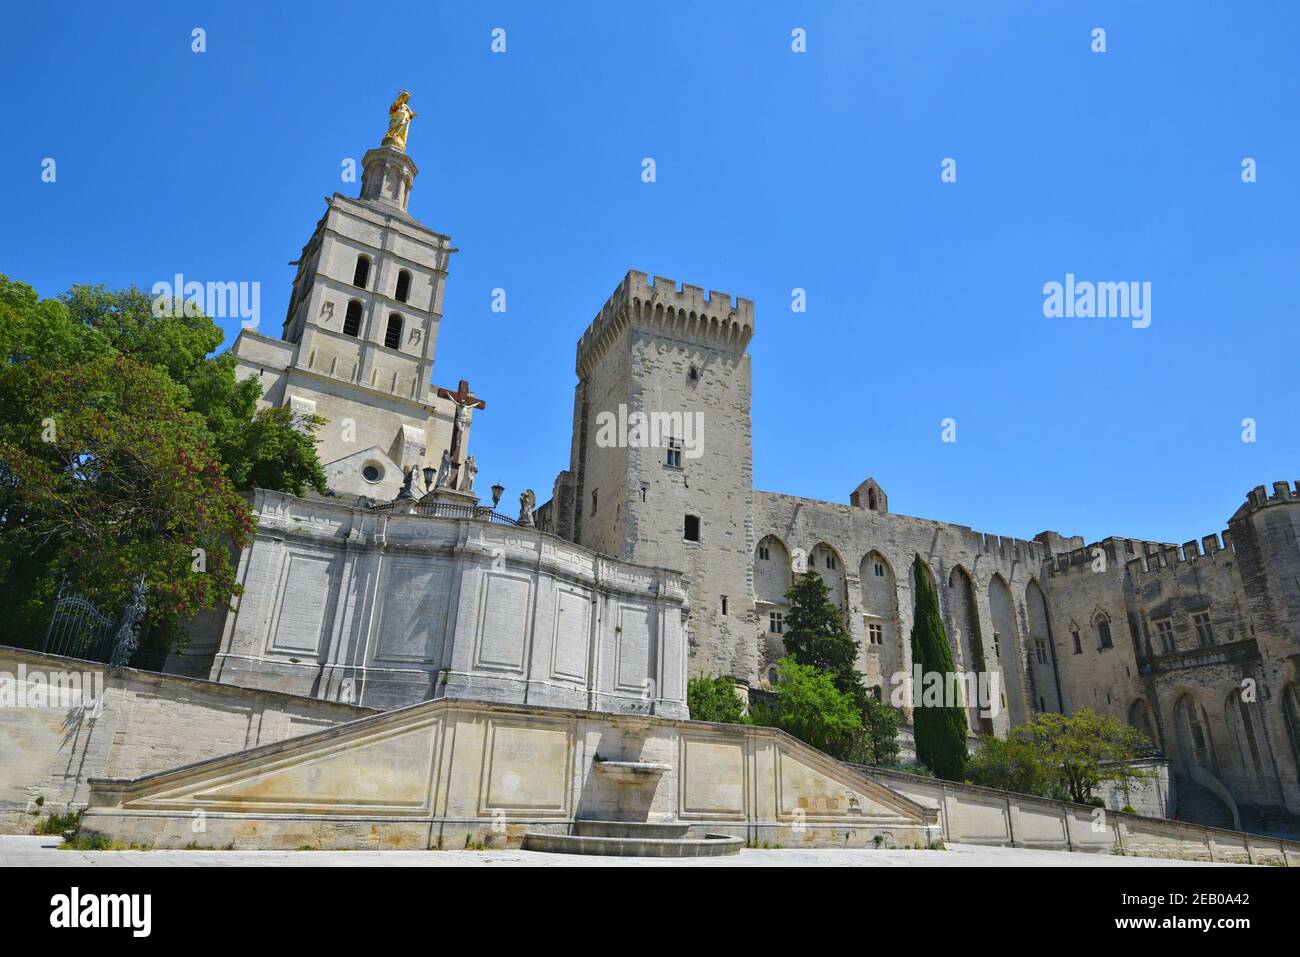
point(817, 636)
point(1085, 749)
point(877, 743)
point(714, 699)
point(107, 476)
point(268, 448)
point(65, 505)
point(811, 708)
point(173, 339)
point(40, 330)
point(1011, 765)
point(815, 632)
point(940, 729)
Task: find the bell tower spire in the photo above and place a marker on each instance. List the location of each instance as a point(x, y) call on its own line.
point(387, 172)
point(361, 330)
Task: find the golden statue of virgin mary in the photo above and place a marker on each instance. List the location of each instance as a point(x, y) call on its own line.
point(399, 121)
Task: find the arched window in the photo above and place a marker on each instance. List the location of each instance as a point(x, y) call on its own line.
point(403, 286)
point(1242, 723)
point(1291, 718)
point(1102, 624)
point(393, 334)
point(352, 321)
point(1193, 733)
point(1139, 716)
point(362, 273)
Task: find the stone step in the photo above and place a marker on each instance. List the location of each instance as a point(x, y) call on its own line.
point(644, 829)
point(1199, 805)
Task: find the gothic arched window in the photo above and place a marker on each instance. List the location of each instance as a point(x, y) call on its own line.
point(352, 321)
point(393, 334)
point(362, 272)
point(1103, 632)
point(403, 292)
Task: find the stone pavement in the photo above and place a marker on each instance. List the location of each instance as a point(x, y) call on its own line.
point(37, 851)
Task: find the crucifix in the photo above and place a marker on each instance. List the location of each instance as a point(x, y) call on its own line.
point(464, 400)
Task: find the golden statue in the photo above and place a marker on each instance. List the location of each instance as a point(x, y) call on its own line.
point(399, 121)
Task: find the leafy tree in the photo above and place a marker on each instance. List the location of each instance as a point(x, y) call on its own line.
point(41, 330)
point(267, 448)
point(107, 476)
point(940, 730)
point(811, 708)
point(153, 435)
point(714, 699)
point(816, 634)
point(1085, 749)
point(173, 339)
point(877, 743)
point(1011, 765)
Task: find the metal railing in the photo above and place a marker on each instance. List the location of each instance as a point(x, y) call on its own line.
point(478, 513)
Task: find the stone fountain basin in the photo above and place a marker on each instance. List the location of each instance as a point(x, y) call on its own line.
point(633, 839)
point(632, 772)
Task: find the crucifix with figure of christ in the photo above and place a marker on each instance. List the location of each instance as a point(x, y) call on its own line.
point(464, 400)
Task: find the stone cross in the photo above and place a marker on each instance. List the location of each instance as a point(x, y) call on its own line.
point(464, 400)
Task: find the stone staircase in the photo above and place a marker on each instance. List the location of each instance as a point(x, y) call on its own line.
point(1197, 804)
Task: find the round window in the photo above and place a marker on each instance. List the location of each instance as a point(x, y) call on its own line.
point(371, 473)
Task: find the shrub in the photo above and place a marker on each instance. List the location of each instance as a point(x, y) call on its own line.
point(812, 709)
point(714, 699)
point(58, 823)
point(1012, 765)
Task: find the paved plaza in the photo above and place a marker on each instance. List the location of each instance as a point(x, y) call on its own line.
point(36, 851)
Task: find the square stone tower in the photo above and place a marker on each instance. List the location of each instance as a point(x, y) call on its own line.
point(661, 465)
point(359, 337)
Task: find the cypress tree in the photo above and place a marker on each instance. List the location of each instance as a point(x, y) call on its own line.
point(940, 731)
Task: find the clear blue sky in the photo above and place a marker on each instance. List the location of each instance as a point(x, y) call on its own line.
point(775, 171)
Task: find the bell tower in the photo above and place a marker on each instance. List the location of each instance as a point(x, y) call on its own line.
point(359, 337)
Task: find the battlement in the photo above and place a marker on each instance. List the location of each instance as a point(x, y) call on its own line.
point(1258, 497)
point(686, 313)
point(1006, 547)
point(1117, 551)
point(1165, 557)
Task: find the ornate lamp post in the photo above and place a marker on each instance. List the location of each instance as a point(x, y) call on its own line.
point(497, 491)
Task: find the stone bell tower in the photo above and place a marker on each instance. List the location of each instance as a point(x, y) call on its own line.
point(359, 337)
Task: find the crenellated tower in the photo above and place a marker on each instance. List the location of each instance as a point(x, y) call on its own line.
point(661, 464)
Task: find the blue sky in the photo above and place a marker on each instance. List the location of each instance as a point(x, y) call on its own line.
point(775, 170)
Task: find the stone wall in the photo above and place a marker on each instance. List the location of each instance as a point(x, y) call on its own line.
point(975, 815)
point(148, 722)
point(391, 606)
point(1202, 656)
point(451, 774)
point(983, 583)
